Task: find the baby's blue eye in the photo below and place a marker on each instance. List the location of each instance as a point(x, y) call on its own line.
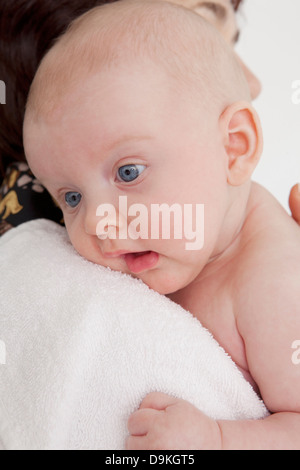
point(72, 199)
point(128, 173)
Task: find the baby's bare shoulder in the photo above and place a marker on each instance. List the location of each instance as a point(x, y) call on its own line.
point(268, 270)
point(267, 302)
point(270, 243)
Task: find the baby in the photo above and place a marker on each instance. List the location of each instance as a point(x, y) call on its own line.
point(143, 102)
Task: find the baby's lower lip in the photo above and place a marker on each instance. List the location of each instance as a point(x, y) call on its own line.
point(138, 262)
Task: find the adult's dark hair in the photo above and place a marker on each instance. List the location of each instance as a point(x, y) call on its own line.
point(27, 31)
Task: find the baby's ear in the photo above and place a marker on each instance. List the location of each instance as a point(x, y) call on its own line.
point(243, 141)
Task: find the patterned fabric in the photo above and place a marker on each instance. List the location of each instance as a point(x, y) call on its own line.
point(23, 198)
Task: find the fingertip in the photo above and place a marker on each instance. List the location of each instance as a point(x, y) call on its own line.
point(149, 400)
point(140, 421)
point(131, 422)
point(158, 401)
point(135, 443)
point(294, 202)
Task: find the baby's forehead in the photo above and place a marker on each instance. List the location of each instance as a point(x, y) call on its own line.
point(115, 34)
point(133, 30)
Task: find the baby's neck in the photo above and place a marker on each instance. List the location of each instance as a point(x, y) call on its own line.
point(225, 251)
point(240, 207)
point(227, 246)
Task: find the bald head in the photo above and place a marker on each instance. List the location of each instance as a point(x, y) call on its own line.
point(189, 49)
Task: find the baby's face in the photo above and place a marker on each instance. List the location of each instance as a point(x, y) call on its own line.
point(127, 133)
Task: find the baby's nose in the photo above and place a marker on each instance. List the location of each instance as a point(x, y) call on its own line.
point(90, 222)
point(106, 222)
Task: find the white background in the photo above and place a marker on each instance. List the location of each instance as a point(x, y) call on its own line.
point(270, 45)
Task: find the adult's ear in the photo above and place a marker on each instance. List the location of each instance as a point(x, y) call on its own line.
point(243, 141)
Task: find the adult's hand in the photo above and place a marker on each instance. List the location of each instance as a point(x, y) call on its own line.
point(295, 202)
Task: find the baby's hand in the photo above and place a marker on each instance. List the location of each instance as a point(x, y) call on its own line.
point(166, 423)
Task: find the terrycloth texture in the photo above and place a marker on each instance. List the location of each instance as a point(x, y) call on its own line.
point(84, 345)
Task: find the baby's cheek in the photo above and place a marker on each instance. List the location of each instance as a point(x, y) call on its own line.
point(84, 249)
point(89, 248)
point(77, 238)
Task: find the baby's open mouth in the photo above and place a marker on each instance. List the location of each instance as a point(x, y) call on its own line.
point(141, 261)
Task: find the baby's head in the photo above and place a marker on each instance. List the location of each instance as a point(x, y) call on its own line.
point(140, 104)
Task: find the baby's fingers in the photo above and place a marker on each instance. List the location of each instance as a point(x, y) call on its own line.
point(136, 443)
point(295, 202)
point(141, 421)
point(158, 401)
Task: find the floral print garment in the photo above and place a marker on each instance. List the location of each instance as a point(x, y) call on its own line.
point(23, 198)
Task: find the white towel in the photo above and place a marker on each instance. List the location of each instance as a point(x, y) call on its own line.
point(84, 345)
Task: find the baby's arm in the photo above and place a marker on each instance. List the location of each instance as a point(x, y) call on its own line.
point(163, 422)
point(269, 323)
point(268, 320)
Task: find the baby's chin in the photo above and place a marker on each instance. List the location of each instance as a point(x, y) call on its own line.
point(161, 282)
